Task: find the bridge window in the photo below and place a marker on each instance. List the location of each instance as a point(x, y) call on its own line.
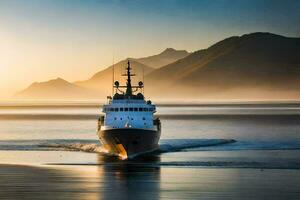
point(140, 109)
point(145, 109)
point(116, 109)
point(121, 109)
point(151, 109)
point(111, 109)
point(126, 109)
point(135, 109)
point(130, 109)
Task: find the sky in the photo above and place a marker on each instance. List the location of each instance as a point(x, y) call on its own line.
point(73, 39)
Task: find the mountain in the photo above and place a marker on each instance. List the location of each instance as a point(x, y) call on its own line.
point(168, 56)
point(256, 65)
point(53, 89)
point(101, 82)
point(99, 85)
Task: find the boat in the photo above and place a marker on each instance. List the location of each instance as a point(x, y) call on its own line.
point(128, 127)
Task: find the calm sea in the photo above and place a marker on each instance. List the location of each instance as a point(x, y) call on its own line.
point(46, 150)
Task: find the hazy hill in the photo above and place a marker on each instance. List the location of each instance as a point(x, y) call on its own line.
point(99, 85)
point(168, 56)
point(255, 65)
point(53, 89)
point(101, 82)
point(252, 66)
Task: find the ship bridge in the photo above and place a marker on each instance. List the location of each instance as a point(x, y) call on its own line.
point(128, 108)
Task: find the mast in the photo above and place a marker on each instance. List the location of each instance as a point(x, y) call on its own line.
point(143, 89)
point(128, 84)
point(113, 75)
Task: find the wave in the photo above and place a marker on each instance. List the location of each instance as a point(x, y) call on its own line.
point(231, 164)
point(254, 145)
point(94, 146)
point(166, 145)
point(172, 145)
point(45, 145)
point(194, 164)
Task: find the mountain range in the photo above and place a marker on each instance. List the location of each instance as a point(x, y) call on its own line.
point(99, 85)
point(257, 65)
point(251, 66)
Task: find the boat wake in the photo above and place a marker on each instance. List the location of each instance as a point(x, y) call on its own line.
point(85, 147)
point(93, 146)
point(166, 145)
point(172, 145)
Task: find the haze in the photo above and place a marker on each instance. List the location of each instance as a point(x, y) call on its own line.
point(41, 40)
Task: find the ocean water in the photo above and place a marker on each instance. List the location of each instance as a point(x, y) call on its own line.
point(206, 152)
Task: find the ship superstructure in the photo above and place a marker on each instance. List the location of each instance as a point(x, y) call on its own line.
point(128, 127)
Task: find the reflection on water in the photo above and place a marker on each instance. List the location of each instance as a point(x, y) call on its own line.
point(110, 179)
point(129, 179)
point(143, 179)
point(23, 182)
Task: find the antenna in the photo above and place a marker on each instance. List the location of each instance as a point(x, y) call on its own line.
point(143, 89)
point(113, 74)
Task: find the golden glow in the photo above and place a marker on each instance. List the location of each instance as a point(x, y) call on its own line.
point(122, 151)
point(24, 62)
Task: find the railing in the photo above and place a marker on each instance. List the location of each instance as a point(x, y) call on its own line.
point(156, 122)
